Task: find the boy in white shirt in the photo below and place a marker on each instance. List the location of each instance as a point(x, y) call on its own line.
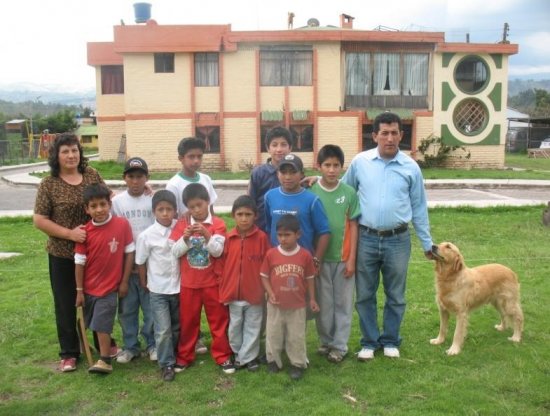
point(159, 272)
point(135, 205)
point(190, 152)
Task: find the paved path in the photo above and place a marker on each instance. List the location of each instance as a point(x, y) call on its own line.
point(18, 191)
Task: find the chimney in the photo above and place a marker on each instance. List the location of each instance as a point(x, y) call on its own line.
point(346, 21)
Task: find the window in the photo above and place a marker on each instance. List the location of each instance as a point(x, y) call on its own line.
point(164, 62)
point(387, 79)
point(415, 74)
point(471, 74)
point(302, 137)
point(286, 66)
point(358, 73)
point(112, 79)
point(470, 117)
point(206, 69)
point(211, 137)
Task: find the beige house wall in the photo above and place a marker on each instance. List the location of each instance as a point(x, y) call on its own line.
point(424, 128)
point(328, 75)
point(110, 136)
point(300, 98)
point(156, 141)
point(240, 143)
point(207, 99)
point(239, 71)
point(342, 131)
point(480, 157)
point(148, 92)
point(272, 98)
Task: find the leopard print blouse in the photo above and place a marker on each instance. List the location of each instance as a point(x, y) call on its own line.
point(62, 203)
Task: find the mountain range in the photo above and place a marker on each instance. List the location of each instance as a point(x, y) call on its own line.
point(55, 94)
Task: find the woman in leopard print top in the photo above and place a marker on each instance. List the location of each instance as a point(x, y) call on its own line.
point(59, 213)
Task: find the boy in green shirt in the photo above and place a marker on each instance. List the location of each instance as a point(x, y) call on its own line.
point(336, 282)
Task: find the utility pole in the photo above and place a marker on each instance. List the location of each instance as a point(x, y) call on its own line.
point(31, 133)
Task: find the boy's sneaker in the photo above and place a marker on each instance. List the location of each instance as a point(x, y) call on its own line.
point(335, 356)
point(228, 367)
point(200, 348)
point(295, 373)
point(152, 353)
point(67, 365)
point(323, 350)
point(126, 356)
point(168, 373)
point(101, 367)
point(178, 368)
point(365, 354)
point(253, 366)
point(391, 352)
point(114, 351)
point(272, 367)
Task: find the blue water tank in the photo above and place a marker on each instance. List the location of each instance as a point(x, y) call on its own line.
point(142, 12)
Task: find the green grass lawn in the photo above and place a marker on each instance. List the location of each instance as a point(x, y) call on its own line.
point(492, 376)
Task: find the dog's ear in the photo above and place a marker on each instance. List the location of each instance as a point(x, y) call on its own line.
point(458, 264)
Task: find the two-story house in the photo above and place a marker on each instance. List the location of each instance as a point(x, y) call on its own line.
point(159, 83)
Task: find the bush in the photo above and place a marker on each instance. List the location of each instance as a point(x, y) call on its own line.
point(436, 152)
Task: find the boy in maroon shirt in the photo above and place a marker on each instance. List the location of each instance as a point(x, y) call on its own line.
point(240, 285)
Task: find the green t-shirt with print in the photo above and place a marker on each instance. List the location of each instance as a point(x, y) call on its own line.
point(341, 205)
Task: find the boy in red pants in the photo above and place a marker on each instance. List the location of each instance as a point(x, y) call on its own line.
point(198, 242)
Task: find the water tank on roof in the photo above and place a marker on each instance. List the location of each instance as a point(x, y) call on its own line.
point(142, 12)
point(313, 22)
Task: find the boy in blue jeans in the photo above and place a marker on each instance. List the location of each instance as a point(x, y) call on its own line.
point(336, 282)
point(159, 272)
point(135, 205)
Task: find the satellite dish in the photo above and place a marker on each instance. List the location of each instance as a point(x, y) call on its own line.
point(313, 22)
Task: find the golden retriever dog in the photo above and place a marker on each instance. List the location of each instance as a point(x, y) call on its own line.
point(460, 289)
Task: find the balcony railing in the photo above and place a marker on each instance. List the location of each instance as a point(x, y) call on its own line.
point(387, 101)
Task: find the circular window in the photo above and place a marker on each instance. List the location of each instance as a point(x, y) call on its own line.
point(471, 74)
point(470, 117)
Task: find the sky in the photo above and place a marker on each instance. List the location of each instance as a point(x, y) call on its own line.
point(43, 42)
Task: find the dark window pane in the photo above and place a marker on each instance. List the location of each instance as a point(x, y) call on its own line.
point(112, 79)
point(211, 137)
point(164, 62)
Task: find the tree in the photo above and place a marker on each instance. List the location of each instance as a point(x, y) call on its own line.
point(60, 122)
point(542, 103)
point(535, 102)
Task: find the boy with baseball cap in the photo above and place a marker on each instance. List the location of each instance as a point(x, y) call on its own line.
point(291, 198)
point(136, 206)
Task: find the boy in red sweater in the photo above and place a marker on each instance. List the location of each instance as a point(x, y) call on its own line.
point(198, 242)
point(240, 285)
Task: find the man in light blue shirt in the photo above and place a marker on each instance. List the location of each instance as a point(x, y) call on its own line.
point(391, 194)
